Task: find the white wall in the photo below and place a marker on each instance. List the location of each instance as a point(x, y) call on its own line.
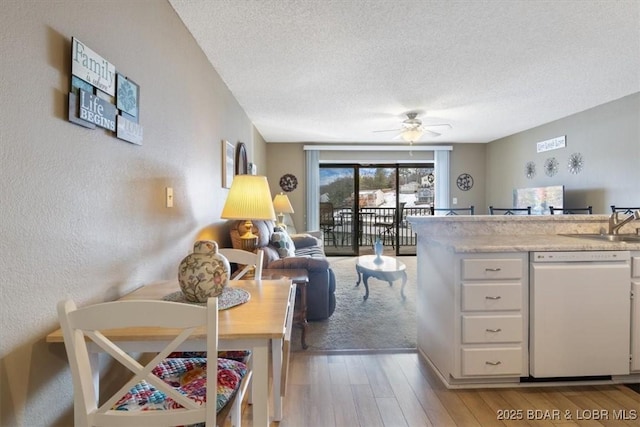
point(82, 213)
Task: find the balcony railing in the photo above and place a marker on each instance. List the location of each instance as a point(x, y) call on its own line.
point(370, 226)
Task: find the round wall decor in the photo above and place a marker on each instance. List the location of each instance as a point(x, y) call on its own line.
point(575, 163)
point(551, 166)
point(530, 170)
point(288, 182)
point(465, 182)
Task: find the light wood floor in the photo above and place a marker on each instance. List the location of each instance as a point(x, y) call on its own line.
point(400, 389)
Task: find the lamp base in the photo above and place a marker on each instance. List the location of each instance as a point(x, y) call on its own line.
point(249, 244)
point(248, 241)
point(280, 222)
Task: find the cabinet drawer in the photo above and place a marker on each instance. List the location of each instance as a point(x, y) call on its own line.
point(635, 266)
point(491, 269)
point(491, 329)
point(491, 296)
point(492, 361)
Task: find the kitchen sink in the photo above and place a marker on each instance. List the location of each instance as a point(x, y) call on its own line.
point(631, 238)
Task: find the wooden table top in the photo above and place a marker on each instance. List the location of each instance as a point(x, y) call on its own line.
point(296, 275)
point(262, 317)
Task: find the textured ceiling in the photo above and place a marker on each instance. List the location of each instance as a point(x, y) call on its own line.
point(336, 70)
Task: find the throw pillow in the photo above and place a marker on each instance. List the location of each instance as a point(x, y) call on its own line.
point(282, 242)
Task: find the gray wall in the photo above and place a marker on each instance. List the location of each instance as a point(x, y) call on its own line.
point(469, 158)
point(607, 136)
point(83, 213)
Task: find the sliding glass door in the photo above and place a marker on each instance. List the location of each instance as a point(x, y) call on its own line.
point(338, 185)
point(359, 203)
point(416, 197)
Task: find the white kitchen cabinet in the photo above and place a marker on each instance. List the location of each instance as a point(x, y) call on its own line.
point(635, 312)
point(472, 314)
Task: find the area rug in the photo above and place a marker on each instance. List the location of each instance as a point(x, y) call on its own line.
point(384, 321)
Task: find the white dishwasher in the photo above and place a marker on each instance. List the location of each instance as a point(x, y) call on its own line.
point(580, 313)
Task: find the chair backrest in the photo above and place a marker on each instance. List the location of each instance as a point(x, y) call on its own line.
point(326, 214)
point(510, 211)
point(454, 211)
point(81, 325)
point(571, 211)
point(615, 209)
point(250, 260)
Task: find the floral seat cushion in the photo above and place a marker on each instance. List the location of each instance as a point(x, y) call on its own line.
point(189, 377)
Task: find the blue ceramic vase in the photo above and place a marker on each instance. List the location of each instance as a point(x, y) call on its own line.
point(378, 247)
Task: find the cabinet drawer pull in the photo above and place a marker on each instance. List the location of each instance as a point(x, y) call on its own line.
point(493, 363)
point(493, 269)
point(493, 330)
point(490, 297)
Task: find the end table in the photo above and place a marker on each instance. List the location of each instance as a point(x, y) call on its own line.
point(300, 277)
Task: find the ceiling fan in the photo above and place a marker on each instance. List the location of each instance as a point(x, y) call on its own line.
point(412, 128)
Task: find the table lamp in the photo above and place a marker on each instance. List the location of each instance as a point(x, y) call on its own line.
point(282, 205)
point(249, 198)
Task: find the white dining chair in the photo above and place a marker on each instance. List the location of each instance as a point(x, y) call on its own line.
point(165, 391)
point(250, 260)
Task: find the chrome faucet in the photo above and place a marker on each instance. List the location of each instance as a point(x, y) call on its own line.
point(615, 224)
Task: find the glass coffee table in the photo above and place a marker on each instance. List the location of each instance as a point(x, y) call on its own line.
point(386, 269)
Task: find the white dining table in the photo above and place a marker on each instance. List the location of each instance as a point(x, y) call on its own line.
point(261, 323)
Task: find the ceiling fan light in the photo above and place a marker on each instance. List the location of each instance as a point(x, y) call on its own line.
point(412, 135)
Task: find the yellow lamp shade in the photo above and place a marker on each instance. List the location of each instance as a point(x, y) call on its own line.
point(282, 204)
point(249, 198)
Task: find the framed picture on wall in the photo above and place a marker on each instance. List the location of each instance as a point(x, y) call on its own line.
point(228, 154)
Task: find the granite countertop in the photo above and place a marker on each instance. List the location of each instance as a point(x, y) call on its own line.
point(527, 243)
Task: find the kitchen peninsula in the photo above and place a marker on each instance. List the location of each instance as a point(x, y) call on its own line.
point(515, 300)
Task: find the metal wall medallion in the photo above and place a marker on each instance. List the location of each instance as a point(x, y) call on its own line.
point(530, 170)
point(465, 182)
point(551, 166)
point(575, 163)
point(288, 182)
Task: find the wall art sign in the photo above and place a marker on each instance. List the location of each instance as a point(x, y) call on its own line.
point(102, 97)
point(128, 97)
point(552, 144)
point(92, 68)
point(96, 110)
point(129, 131)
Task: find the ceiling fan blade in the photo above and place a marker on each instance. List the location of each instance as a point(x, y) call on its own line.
point(430, 132)
point(438, 124)
point(388, 130)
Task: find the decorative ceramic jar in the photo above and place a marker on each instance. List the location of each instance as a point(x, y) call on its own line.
point(378, 247)
point(204, 273)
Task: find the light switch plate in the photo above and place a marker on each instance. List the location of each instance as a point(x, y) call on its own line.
point(169, 197)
